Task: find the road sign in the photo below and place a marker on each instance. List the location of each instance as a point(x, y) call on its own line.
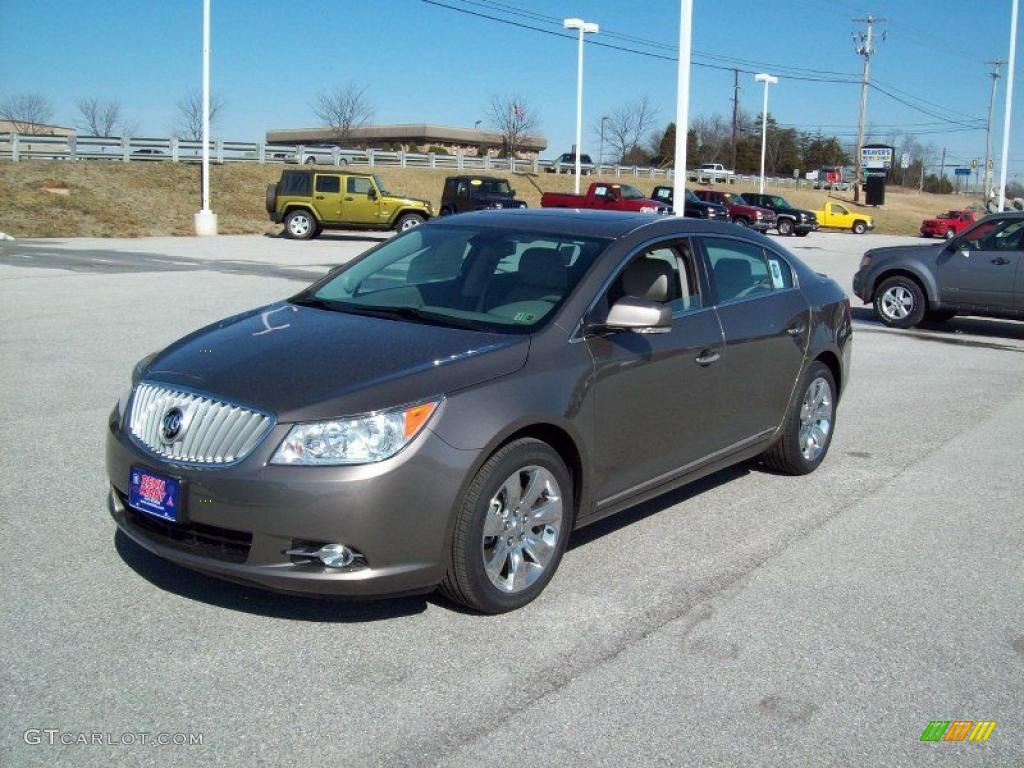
point(905, 160)
point(962, 171)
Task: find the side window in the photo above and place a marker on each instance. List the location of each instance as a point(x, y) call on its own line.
point(328, 184)
point(1008, 239)
point(295, 183)
point(739, 268)
point(462, 189)
point(600, 191)
point(358, 185)
point(664, 273)
point(839, 210)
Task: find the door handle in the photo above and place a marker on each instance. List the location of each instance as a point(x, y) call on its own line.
point(707, 357)
point(349, 199)
point(795, 330)
point(319, 197)
point(1000, 261)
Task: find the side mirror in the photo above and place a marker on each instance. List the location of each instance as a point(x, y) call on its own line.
point(639, 316)
point(372, 193)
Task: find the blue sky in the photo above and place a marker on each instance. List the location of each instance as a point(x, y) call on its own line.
point(427, 63)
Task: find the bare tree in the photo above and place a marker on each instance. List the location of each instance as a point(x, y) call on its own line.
point(189, 124)
point(99, 118)
point(27, 111)
point(513, 117)
point(343, 109)
point(714, 137)
point(628, 125)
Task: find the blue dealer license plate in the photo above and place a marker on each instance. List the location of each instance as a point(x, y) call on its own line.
point(154, 494)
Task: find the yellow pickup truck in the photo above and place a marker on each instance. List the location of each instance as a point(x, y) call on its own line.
point(838, 216)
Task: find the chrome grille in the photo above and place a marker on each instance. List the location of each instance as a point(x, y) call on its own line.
point(214, 432)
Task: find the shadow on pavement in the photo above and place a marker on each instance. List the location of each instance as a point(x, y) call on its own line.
point(192, 585)
point(951, 331)
point(342, 237)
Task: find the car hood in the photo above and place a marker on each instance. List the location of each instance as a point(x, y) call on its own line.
point(406, 199)
point(888, 253)
point(305, 363)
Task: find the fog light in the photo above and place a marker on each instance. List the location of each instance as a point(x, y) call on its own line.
point(335, 555)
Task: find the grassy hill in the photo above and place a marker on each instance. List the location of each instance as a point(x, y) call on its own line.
point(61, 199)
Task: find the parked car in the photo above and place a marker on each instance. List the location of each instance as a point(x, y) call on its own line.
point(789, 220)
point(695, 207)
point(308, 202)
point(476, 193)
point(948, 224)
point(978, 272)
point(712, 172)
point(149, 153)
point(740, 211)
point(838, 216)
point(605, 196)
point(566, 163)
point(445, 409)
point(315, 154)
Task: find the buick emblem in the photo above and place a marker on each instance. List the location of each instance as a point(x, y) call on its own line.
point(172, 425)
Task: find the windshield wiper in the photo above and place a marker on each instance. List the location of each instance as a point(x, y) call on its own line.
point(413, 313)
point(317, 303)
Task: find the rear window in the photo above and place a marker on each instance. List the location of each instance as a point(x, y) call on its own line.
point(295, 183)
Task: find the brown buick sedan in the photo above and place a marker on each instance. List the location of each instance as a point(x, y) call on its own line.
point(446, 409)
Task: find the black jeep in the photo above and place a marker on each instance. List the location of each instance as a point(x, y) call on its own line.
point(477, 193)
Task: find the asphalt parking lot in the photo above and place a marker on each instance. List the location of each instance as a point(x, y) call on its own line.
point(750, 619)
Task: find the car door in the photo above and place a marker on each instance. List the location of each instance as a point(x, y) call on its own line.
point(656, 395)
point(980, 268)
point(327, 196)
point(766, 325)
point(361, 201)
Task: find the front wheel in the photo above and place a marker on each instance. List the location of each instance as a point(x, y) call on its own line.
point(900, 302)
point(741, 221)
point(807, 430)
point(859, 227)
point(785, 227)
point(408, 221)
point(300, 224)
point(511, 529)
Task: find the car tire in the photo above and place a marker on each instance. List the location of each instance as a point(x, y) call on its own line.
point(271, 197)
point(310, 161)
point(446, 211)
point(939, 315)
point(502, 556)
point(785, 227)
point(300, 224)
point(408, 221)
point(802, 234)
point(739, 220)
point(926, 234)
point(950, 233)
point(900, 302)
point(806, 432)
point(859, 228)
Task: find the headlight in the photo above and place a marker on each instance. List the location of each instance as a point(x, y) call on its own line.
point(356, 440)
point(758, 214)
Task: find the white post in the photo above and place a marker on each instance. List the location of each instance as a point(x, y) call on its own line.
point(579, 108)
point(767, 80)
point(1010, 73)
point(682, 107)
point(206, 220)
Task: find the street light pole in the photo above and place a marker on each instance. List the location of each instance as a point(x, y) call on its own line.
point(763, 77)
point(600, 151)
point(682, 107)
point(583, 27)
point(1010, 72)
point(206, 220)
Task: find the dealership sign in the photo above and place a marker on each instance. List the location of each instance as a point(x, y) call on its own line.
point(876, 157)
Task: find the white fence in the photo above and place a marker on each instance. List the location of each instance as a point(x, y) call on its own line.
point(17, 147)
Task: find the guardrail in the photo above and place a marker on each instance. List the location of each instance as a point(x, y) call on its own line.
point(17, 147)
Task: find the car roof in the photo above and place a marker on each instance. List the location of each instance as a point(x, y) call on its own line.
point(322, 171)
point(474, 176)
point(587, 223)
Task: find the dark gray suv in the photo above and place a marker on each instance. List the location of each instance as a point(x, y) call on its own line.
point(447, 408)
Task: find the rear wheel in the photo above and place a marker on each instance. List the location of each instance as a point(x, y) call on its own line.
point(859, 227)
point(807, 430)
point(785, 227)
point(408, 221)
point(300, 224)
point(900, 302)
point(511, 529)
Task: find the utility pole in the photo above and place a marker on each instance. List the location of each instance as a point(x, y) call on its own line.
point(942, 166)
point(920, 186)
point(1009, 106)
point(864, 44)
point(994, 74)
point(735, 112)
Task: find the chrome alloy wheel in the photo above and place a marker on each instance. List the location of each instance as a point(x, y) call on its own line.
point(521, 531)
point(897, 302)
point(300, 225)
point(408, 223)
point(815, 419)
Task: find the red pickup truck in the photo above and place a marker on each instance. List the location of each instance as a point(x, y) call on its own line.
point(948, 224)
point(605, 196)
point(740, 211)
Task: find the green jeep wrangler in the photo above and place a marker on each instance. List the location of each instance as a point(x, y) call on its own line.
point(310, 201)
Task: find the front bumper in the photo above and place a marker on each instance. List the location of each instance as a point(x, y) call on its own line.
point(763, 225)
point(861, 286)
point(239, 521)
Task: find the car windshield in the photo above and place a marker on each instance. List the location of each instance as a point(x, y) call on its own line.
point(380, 186)
point(692, 197)
point(493, 186)
point(948, 215)
point(734, 198)
point(470, 277)
point(630, 193)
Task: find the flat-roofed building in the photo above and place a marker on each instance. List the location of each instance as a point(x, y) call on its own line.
point(412, 137)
